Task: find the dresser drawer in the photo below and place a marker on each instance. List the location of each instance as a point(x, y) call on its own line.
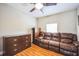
point(11, 40)
point(11, 46)
point(10, 52)
point(24, 38)
point(25, 45)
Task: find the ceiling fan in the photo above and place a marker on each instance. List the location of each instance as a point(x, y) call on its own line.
point(40, 6)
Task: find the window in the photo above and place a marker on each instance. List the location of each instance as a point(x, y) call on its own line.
point(51, 28)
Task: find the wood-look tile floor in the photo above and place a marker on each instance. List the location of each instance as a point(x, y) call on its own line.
point(35, 50)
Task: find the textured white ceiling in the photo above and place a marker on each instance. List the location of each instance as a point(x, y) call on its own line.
point(60, 7)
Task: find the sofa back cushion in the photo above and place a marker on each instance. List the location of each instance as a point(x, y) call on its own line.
point(55, 39)
point(66, 37)
point(47, 35)
point(66, 41)
point(55, 36)
point(47, 38)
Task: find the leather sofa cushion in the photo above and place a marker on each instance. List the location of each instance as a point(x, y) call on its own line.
point(40, 37)
point(55, 39)
point(47, 38)
point(68, 41)
point(67, 35)
point(55, 35)
point(37, 39)
point(54, 43)
point(44, 41)
point(69, 47)
point(44, 45)
point(47, 34)
point(53, 48)
point(68, 53)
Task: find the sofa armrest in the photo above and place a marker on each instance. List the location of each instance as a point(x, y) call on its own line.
point(76, 43)
point(41, 37)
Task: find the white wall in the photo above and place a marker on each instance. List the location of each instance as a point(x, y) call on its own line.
point(78, 11)
point(66, 21)
point(77, 24)
point(14, 22)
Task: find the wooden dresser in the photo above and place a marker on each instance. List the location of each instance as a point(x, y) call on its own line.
point(15, 44)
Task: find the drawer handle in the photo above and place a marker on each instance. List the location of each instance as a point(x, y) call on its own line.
point(26, 37)
point(15, 39)
point(15, 49)
point(14, 44)
point(26, 41)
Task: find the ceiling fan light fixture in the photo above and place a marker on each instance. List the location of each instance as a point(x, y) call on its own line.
point(39, 5)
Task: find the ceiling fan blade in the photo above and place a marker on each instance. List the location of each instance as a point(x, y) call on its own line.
point(32, 9)
point(42, 11)
point(49, 4)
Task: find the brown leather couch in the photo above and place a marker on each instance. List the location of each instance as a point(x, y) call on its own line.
point(65, 43)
